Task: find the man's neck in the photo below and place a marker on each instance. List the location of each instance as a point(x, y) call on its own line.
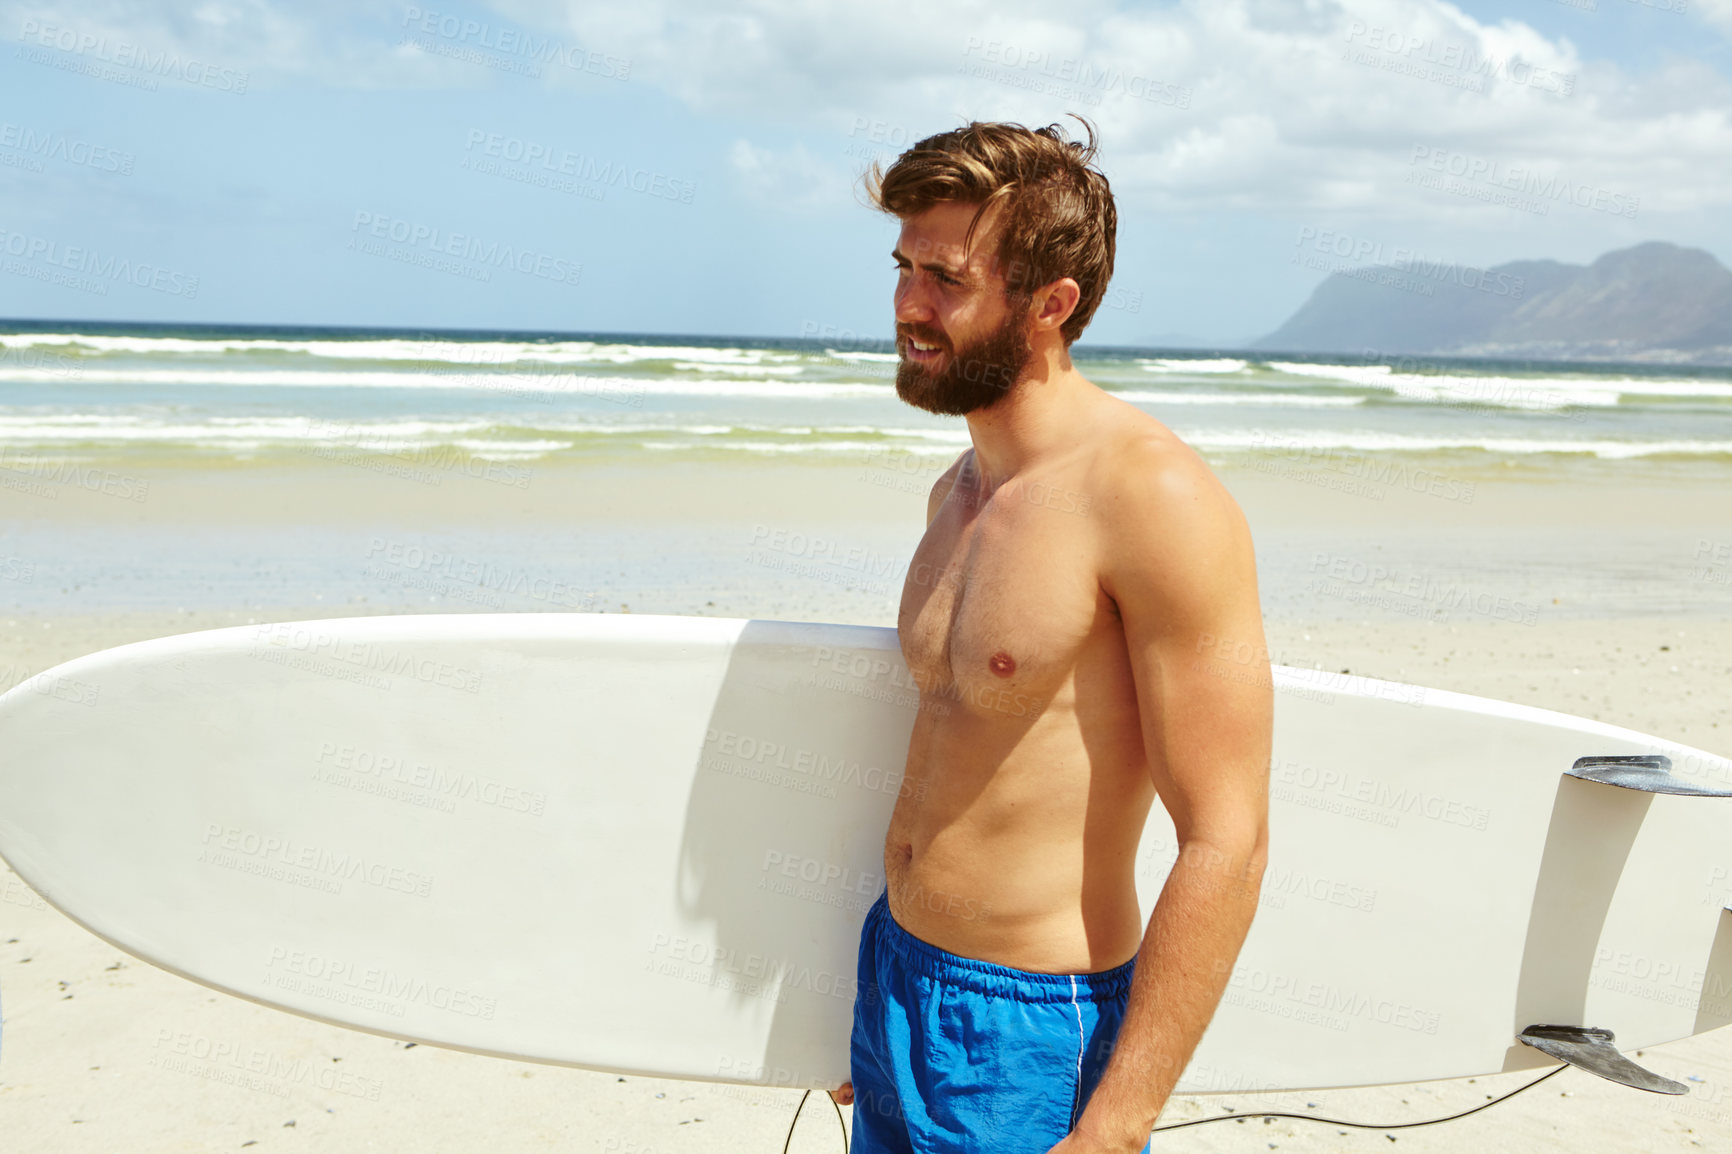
point(1041, 418)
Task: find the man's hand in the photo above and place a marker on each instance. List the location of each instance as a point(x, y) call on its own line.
point(843, 1095)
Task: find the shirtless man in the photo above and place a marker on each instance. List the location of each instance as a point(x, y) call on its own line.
point(1064, 618)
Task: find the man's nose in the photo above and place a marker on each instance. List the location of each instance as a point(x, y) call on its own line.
point(911, 304)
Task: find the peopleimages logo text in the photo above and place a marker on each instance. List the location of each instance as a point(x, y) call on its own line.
point(1355, 251)
point(1089, 79)
point(59, 146)
point(127, 55)
point(80, 259)
point(1523, 180)
point(508, 41)
point(1430, 59)
point(467, 247)
point(564, 162)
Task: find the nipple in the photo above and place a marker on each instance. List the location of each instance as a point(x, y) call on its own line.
point(1002, 663)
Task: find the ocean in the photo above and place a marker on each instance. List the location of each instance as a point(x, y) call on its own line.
point(116, 410)
point(228, 396)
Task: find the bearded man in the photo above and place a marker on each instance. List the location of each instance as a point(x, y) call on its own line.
point(1011, 996)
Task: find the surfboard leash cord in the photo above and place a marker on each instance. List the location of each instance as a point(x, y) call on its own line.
point(1370, 1125)
point(796, 1118)
point(1230, 1117)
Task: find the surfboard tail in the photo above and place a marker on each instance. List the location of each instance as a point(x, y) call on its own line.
point(1650, 773)
point(1595, 1050)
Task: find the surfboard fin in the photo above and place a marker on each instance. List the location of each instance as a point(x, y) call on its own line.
point(1650, 773)
point(1593, 1050)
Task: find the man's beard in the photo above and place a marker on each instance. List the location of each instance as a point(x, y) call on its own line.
point(975, 377)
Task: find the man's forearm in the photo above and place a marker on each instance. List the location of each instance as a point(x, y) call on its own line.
point(1199, 923)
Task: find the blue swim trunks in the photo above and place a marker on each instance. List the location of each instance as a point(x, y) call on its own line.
point(952, 1054)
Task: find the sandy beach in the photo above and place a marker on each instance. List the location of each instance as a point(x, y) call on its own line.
point(1600, 598)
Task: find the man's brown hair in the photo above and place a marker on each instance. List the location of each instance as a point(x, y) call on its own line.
point(1058, 217)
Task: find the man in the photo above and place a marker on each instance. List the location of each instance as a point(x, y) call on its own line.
point(1062, 618)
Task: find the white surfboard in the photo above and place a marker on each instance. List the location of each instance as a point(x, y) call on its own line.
point(647, 844)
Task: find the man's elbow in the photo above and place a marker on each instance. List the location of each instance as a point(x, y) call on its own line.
point(1257, 862)
point(1233, 857)
point(1257, 851)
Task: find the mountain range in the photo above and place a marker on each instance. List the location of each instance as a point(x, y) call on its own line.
point(1654, 302)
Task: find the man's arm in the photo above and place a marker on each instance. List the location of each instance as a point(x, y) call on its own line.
point(1183, 575)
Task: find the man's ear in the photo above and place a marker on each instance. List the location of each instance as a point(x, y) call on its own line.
point(1054, 303)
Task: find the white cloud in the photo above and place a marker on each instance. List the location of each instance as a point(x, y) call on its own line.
point(253, 36)
point(1259, 104)
point(1716, 12)
point(787, 179)
point(1262, 105)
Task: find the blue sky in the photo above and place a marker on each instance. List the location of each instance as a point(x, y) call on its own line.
point(689, 167)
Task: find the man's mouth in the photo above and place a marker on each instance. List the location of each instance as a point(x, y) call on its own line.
point(920, 351)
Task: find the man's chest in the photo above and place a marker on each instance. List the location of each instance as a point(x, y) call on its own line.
point(1002, 602)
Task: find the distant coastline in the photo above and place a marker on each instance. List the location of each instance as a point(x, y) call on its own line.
point(1654, 304)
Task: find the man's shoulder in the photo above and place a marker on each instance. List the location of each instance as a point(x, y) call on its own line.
point(1145, 470)
point(1164, 514)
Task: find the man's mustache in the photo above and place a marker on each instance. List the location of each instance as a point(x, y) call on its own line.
point(923, 336)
